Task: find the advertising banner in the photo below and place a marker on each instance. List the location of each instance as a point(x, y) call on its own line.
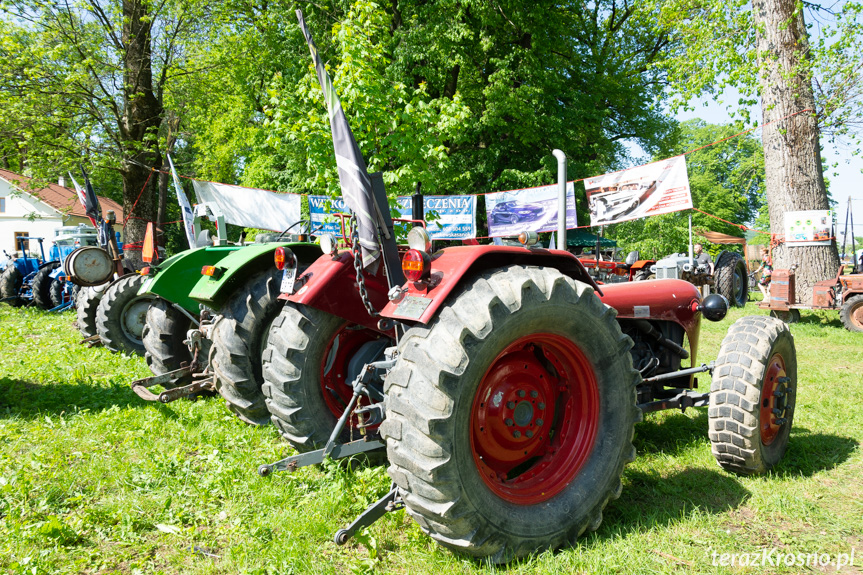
point(808, 228)
point(251, 207)
point(455, 216)
point(531, 209)
point(657, 188)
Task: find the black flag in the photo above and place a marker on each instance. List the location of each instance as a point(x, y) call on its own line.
point(91, 202)
point(353, 175)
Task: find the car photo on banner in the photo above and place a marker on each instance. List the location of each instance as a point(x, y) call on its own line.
point(530, 209)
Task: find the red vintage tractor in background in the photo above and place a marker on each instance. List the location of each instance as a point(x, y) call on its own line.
point(843, 293)
point(504, 383)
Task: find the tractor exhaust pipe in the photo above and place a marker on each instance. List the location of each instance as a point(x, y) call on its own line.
point(561, 201)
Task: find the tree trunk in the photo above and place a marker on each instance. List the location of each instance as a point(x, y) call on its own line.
point(139, 128)
point(792, 153)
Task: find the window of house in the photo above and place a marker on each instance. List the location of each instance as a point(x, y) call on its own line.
point(25, 242)
point(2, 205)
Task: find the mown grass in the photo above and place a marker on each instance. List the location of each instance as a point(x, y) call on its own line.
point(95, 480)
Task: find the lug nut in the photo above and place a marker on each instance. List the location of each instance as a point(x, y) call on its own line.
point(540, 405)
point(529, 433)
point(777, 411)
point(510, 405)
point(778, 393)
point(508, 422)
point(521, 393)
point(534, 394)
point(539, 422)
point(516, 434)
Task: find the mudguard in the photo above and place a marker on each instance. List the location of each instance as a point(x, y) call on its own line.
point(174, 278)
point(239, 265)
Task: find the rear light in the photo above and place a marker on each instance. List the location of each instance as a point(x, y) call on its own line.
point(145, 271)
point(212, 271)
point(416, 265)
point(280, 258)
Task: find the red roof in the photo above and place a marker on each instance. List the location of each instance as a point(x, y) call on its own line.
point(61, 199)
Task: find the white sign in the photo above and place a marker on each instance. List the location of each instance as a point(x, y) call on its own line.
point(808, 228)
point(251, 207)
point(531, 209)
point(657, 188)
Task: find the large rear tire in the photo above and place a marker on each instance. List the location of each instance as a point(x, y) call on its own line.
point(310, 362)
point(163, 336)
point(510, 416)
point(41, 286)
point(122, 315)
point(731, 278)
point(851, 313)
point(239, 339)
point(10, 285)
point(753, 395)
point(85, 308)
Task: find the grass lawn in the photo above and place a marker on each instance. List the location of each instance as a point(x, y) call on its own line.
point(95, 480)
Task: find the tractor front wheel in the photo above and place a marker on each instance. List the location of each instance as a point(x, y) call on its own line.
point(753, 395)
point(85, 308)
point(852, 313)
point(41, 286)
point(239, 339)
point(510, 416)
point(731, 278)
point(309, 365)
point(10, 285)
point(122, 314)
point(163, 336)
point(59, 294)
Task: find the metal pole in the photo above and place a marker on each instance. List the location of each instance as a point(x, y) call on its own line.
point(417, 207)
point(561, 201)
point(691, 261)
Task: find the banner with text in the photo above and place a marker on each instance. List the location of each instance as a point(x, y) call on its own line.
point(454, 216)
point(531, 209)
point(251, 207)
point(808, 228)
point(657, 188)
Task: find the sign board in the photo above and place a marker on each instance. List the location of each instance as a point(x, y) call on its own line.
point(658, 188)
point(532, 209)
point(808, 228)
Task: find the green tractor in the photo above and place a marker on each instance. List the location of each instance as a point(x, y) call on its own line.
point(209, 311)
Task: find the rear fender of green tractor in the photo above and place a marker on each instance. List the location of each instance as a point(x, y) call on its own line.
point(232, 271)
point(174, 278)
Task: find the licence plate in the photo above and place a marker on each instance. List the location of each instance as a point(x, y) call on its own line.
point(289, 276)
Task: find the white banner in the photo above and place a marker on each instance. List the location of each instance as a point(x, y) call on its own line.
point(188, 215)
point(808, 228)
point(531, 209)
point(657, 188)
point(250, 207)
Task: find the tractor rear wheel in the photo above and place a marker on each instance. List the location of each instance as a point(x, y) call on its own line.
point(753, 394)
point(511, 415)
point(41, 285)
point(122, 314)
point(85, 308)
point(10, 285)
point(852, 313)
point(731, 278)
point(239, 339)
point(310, 362)
point(163, 338)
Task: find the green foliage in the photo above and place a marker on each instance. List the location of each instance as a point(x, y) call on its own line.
point(727, 180)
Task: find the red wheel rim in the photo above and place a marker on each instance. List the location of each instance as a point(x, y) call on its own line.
point(534, 418)
point(774, 400)
point(335, 387)
point(856, 315)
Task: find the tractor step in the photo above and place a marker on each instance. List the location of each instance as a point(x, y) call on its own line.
point(140, 387)
point(338, 451)
point(392, 501)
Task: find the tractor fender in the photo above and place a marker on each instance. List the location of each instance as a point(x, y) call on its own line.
point(641, 264)
point(330, 285)
point(238, 266)
point(450, 267)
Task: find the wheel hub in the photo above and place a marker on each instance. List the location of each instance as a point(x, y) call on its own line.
point(534, 418)
point(775, 400)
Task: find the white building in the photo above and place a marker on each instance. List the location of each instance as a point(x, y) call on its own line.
point(25, 211)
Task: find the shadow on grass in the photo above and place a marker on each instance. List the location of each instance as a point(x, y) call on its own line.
point(651, 499)
point(810, 453)
point(29, 399)
point(672, 434)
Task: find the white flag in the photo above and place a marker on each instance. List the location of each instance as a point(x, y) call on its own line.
point(185, 207)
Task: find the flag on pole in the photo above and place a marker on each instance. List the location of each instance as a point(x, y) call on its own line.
point(90, 201)
point(185, 207)
point(82, 197)
point(353, 175)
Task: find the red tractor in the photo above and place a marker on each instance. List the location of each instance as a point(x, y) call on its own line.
point(504, 383)
point(843, 293)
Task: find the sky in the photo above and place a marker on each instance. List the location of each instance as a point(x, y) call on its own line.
point(846, 179)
